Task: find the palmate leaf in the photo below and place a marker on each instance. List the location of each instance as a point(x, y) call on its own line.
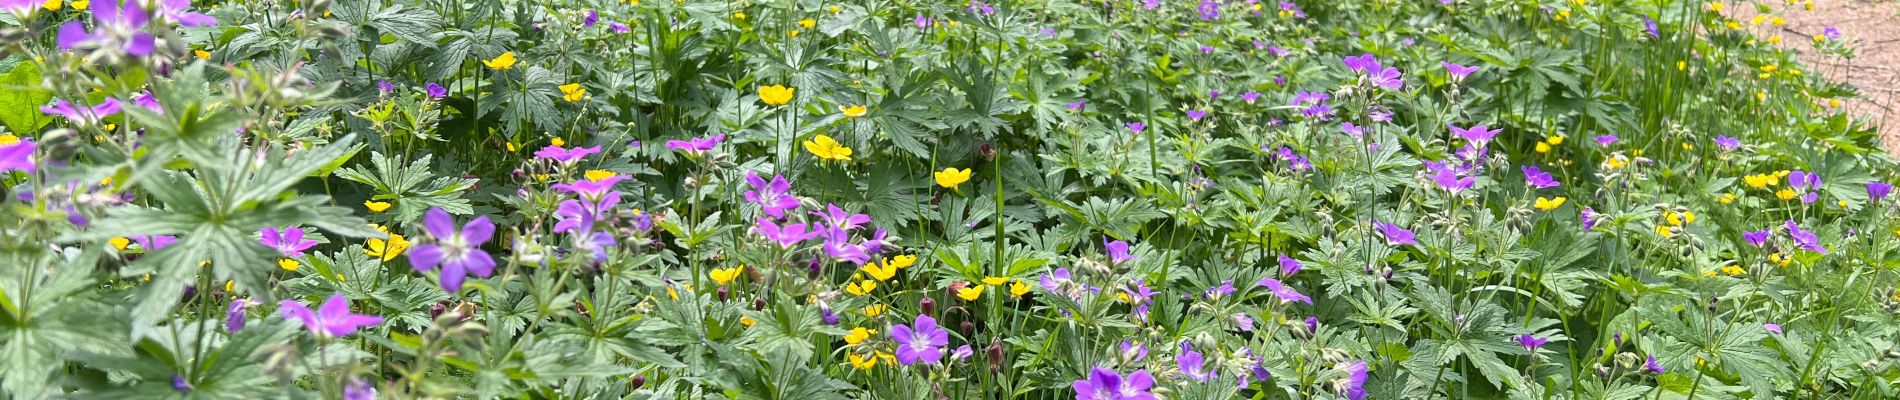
point(527, 102)
point(415, 25)
point(20, 99)
point(409, 185)
point(47, 317)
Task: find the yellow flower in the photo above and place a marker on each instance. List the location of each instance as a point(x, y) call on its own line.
point(747, 321)
point(1688, 217)
point(827, 148)
point(951, 177)
point(970, 293)
point(881, 272)
point(386, 249)
point(1543, 147)
point(860, 288)
point(51, 5)
point(1663, 230)
point(1786, 194)
point(726, 275)
point(573, 92)
point(1615, 161)
point(230, 286)
point(995, 280)
point(901, 262)
point(863, 362)
point(852, 111)
point(1760, 180)
point(1019, 288)
point(1777, 21)
point(776, 95)
point(557, 142)
point(1725, 198)
point(807, 23)
point(1779, 260)
point(288, 264)
point(858, 334)
point(671, 293)
point(834, 9)
point(1732, 270)
point(1555, 139)
point(201, 54)
point(739, 15)
point(1549, 204)
point(120, 243)
point(376, 206)
point(1682, 65)
point(598, 175)
point(1717, 7)
point(874, 310)
point(501, 62)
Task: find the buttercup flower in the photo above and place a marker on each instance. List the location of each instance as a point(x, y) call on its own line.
point(503, 62)
point(776, 95)
point(951, 177)
point(827, 148)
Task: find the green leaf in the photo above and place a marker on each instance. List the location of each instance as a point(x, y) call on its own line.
point(21, 98)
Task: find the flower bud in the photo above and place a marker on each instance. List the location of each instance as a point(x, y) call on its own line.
point(927, 306)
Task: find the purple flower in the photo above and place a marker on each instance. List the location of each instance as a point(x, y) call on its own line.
point(1105, 384)
point(17, 155)
point(1249, 96)
point(1831, 33)
point(1804, 180)
point(922, 22)
point(1650, 25)
point(1605, 140)
point(592, 190)
point(234, 316)
point(1727, 143)
point(962, 352)
point(1448, 177)
point(384, 87)
point(1137, 127)
point(592, 18)
point(115, 26)
point(1876, 190)
point(1458, 72)
point(1589, 218)
point(1478, 135)
point(565, 155)
point(1756, 238)
point(838, 245)
point(828, 316)
point(1806, 239)
point(81, 114)
point(175, 10)
point(1078, 105)
point(1117, 251)
point(1771, 327)
point(1395, 235)
point(579, 216)
point(1356, 131)
point(1205, 49)
point(1150, 4)
point(288, 241)
point(1294, 161)
point(149, 102)
point(358, 390)
point(1196, 115)
point(837, 218)
point(1531, 343)
point(1133, 352)
point(920, 341)
point(1226, 287)
point(696, 146)
point(1052, 281)
point(181, 385)
point(437, 91)
point(1209, 9)
point(1652, 366)
point(1289, 266)
point(153, 243)
point(458, 253)
point(1193, 365)
point(1356, 380)
point(1363, 63)
point(785, 236)
point(1285, 293)
point(774, 198)
point(1538, 178)
point(331, 320)
point(619, 27)
point(1312, 325)
point(20, 8)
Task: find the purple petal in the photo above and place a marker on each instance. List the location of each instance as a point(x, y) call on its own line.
point(438, 223)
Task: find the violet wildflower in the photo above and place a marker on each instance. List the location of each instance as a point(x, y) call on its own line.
point(1355, 383)
point(1771, 327)
point(81, 114)
point(1357, 132)
point(1196, 115)
point(1727, 143)
point(1209, 9)
point(1876, 190)
point(1078, 105)
point(1806, 239)
point(153, 243)
point(1137, 127)
point(590, 189)
point(1448, 177)
point(1478, 135)
point(1458, 72)
point(357, 389)
point(786, 236)
point(17, 155)
point(1650, 25)
point(384, 87)
point(436, 91)
point(1756, 238)
point(332, 319)
point(619, 27)
point(1279, 52)
point(962, 352)
point(1289, 266)
point(1285, 293)
point(1150, 4)
point(1117, 251)
point(1606, 140)
point(922, 22)
point(1588, 217)
point(774, 197)
point(1652, 366)
point(921, 341)
point(565, 155)
point(696, 146)
point(839, 219)
point(1133, 352)
point(175, 10)
point(1193, 365)
point(1105, 384)
point(116, 25)
point(1538, 178)
point(149, 101)
point(1249, 96)
point(592, 18)
point(457, 252)
point(1225, 288)
point(1831, 33)
point(234, 316)
point(828, 316)
point(181, 385)
point(1394, 234)
point(1531, 343)
point(1205, 49)
point(1052, 281)
point(288, 241)
point(838, 245)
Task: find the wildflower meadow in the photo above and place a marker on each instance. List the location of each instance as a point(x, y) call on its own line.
point(968, 199)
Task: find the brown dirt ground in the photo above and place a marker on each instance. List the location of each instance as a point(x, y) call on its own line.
point(1872, 27)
